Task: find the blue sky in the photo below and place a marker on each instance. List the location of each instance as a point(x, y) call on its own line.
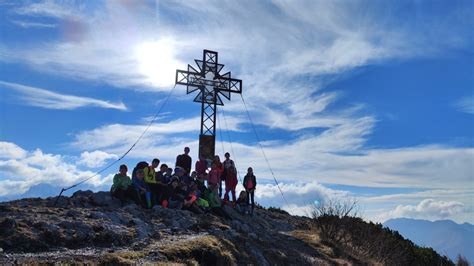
point(362, 99)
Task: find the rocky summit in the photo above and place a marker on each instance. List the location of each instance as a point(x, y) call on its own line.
point(94, 228)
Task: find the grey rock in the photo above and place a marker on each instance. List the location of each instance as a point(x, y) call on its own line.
point(141, 228)
point(99, 215)
point(105, 199)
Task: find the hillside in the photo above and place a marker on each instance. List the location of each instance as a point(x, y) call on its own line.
point(445, 236)
point(92, 228)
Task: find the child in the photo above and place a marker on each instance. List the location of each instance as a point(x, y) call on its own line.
point(122, 187)
point(193, 176)
point(151, 182)
point(142, 189)
point(220, 168)
point(214, 177)
point(201, 168)
point(242, 206)
point(230, 177)
point(250, 183)
point(169, 173)
point(215, 203)
point(176, 194)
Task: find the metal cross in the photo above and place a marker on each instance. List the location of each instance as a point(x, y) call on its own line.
point(211, 85)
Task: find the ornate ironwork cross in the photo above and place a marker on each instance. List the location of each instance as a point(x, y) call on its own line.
point(211, 85)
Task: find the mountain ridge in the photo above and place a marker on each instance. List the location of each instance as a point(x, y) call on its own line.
point(445, 236)
point(93, 228)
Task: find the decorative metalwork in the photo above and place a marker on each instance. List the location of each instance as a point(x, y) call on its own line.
point(211, 85)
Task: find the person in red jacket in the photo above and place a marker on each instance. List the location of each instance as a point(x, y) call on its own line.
point(214, 177)
point(201, 168)
point(230, 177)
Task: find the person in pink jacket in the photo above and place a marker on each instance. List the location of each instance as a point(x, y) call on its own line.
point(214, 177)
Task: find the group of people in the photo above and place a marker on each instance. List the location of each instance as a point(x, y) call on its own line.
point(198, 191)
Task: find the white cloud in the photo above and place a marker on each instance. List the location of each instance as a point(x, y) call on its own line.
point(304, 210)
point(116, 138)
point(51, 100)
point(49, 8)
point(19, 173)
point(336, 155)
point(300, 196)
point(465, 104)
point(428, 209)
point(10, 150)
point(30, 24)
point(95, 159)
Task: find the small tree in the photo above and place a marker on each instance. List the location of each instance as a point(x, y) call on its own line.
point(462, 261)
point(331, 218)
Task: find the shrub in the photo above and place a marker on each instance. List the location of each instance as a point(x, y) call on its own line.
point(338, 224)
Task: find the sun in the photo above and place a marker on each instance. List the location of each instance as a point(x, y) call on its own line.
point(157, 62)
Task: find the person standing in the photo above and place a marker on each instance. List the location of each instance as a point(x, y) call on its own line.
point(201, 168)
point(250, 183)
point(214, 177)
point(230, 177)
point(184, 161)
point(219, 168)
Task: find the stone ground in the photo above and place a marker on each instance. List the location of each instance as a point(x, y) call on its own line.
point(93, 228)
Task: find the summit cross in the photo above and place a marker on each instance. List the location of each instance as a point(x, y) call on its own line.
point(211, 85)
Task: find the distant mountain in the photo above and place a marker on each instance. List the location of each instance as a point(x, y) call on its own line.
point(444, 236)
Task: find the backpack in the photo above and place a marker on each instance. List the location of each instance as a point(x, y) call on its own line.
point(140, 165)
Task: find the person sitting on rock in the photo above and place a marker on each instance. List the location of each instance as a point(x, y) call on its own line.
point(250, 183)
point(190, 204)
point(161, 182)
point(151, 181)
point(177, 194)
point(160, 176)
point(193, 176)
point(142, 188)
point(181, 174)
point(242, 206)
point(184, 161)
point(215, 203)
point(169, 174)
point(122, 187)
point(230, 177)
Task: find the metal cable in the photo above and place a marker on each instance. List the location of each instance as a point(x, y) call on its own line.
point(263, 151)
point(125, 154)
point(220, 132)
point(231, 146)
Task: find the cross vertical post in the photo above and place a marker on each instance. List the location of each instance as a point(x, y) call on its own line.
point(211, 85)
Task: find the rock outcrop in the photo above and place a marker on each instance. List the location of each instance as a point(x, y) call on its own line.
point(94, 228)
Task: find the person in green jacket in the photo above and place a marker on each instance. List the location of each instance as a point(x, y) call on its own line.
point(122, 187)
point(215, 203)
point(150, 180)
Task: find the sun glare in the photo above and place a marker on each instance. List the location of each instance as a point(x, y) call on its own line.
point(156, 62)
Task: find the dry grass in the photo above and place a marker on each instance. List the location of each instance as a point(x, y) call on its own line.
point(200, 250)
point(122, 258)
point(313, 239)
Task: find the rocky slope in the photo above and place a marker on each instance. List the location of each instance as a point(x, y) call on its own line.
point(92, 228)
